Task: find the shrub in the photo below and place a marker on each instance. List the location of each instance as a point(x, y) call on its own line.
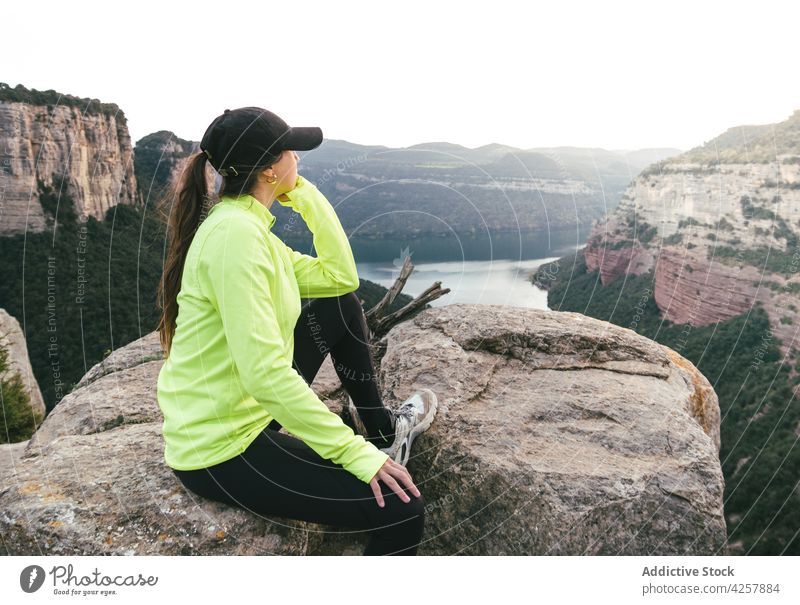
point(19, 420)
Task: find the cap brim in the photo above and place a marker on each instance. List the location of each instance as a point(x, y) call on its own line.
point(302, 138)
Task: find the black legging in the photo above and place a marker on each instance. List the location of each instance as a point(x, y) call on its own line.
point(280, 475)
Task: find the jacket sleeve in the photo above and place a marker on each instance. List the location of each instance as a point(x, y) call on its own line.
point(333, 271)
point(238, 270)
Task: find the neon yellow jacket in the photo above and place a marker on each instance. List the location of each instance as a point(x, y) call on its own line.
point(229, 371)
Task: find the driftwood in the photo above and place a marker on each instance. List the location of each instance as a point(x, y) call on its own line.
point(379, 321)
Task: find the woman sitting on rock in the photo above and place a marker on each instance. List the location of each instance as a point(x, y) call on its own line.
point(242, 353)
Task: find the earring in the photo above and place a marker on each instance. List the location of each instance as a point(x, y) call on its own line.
point(275, 180)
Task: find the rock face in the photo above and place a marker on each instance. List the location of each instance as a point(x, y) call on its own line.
point(613, 260)
point(91, 150)
point(556, 434)
point(719, 235)
point(691, 290)
point(13, 340)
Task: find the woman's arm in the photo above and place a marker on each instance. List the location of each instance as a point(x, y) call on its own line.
point(237, 270)
point(333, 271)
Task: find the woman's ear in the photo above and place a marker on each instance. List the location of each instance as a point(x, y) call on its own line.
point(268, 175)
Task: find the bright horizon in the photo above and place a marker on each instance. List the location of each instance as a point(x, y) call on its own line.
point(620, 76)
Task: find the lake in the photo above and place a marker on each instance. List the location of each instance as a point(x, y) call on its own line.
point(478, 270)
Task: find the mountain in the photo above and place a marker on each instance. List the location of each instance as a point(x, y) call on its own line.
point(764, 143)
point(158, 160)
point(439, 188)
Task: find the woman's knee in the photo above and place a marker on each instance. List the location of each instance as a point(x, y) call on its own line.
point(404, 525)
point(417, 515)
point(417, 505)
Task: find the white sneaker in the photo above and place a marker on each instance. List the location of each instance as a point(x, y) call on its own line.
point(413, 417)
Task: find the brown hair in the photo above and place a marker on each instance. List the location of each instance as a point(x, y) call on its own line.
point(183, 207)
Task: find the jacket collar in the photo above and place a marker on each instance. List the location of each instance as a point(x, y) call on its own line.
point(250, 203)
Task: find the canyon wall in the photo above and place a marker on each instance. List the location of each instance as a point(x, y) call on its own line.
point(720, 236)
point(69, 149)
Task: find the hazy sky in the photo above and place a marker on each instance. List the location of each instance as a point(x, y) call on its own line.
point(618, 75)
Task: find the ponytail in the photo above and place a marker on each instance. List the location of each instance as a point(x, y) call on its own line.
point(184, 206)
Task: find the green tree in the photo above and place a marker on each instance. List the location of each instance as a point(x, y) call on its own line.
point(20, 420)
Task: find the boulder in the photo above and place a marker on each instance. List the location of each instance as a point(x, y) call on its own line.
point(556, 434)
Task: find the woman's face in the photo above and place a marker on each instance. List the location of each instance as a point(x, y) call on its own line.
point(286, 171)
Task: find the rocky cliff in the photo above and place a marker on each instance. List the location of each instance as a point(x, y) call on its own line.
point(79, 147)
point(556, 434)
point(13, 340)
point(719, 227)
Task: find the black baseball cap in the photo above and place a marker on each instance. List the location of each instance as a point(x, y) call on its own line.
point(241, 139)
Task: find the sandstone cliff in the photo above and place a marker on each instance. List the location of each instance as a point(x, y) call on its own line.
point(49, 138)
point(719, 227)
point(556, 434)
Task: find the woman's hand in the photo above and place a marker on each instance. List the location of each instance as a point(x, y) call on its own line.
point(282, 198)
point(389, 473)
